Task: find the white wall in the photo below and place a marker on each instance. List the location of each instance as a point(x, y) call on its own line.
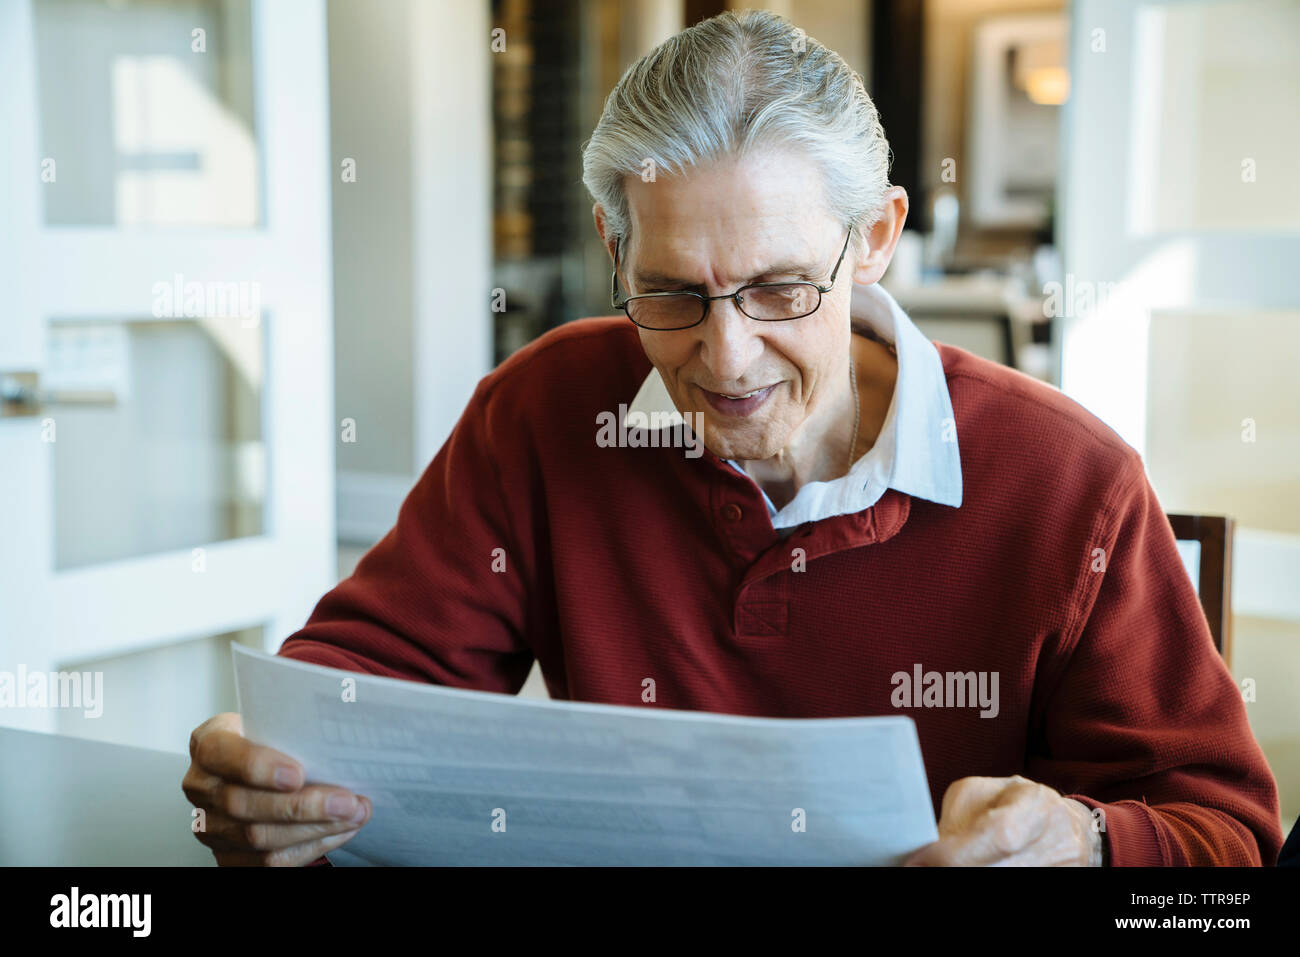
point(370, 110)
point(411, 103)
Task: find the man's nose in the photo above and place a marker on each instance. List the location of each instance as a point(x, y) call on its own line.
point(729, 343)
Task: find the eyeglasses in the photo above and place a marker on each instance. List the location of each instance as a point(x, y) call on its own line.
point(764, 301)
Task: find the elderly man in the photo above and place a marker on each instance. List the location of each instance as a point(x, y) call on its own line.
point(870, 514)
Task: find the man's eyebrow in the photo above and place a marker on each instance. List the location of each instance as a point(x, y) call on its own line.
point(643, 280)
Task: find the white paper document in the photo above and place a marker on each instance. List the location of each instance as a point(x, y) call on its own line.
point(474, 778)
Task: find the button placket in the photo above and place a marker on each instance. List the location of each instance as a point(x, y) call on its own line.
point(735, 509)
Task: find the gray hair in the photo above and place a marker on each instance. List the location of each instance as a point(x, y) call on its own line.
point(736, 84)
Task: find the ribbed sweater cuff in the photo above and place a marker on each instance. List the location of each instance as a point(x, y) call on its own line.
point(1131, 835)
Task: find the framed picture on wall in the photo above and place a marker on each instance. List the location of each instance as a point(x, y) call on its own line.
point(1018, 81)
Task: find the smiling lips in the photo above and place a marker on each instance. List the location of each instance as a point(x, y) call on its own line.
point(738, 405)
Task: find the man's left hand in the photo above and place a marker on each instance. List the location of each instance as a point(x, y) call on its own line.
point(1011, 822)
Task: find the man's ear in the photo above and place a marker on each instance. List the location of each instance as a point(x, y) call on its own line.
point(602, 226)
point(882, 238)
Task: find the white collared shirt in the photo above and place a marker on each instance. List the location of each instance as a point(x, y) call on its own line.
point(916, 452)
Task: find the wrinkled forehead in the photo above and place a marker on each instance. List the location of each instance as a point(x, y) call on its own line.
point(735, 216)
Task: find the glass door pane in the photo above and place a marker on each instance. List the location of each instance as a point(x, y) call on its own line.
point(157, 435)
point(146, 113)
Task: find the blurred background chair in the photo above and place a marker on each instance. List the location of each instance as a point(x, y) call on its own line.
point(1205, 543)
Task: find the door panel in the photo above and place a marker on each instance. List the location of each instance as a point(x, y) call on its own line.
point(168, 279)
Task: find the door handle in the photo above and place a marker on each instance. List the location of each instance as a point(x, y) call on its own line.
point(19, 394)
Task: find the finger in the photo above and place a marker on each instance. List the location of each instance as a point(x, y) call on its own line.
point(199, 786)
point(226, 721)
point(231, 756)
point(966, 798)
point(231, 834)
point(313, 803)
point(921, 857)
point(964, 850)
point(958, 850)
point(295, 856)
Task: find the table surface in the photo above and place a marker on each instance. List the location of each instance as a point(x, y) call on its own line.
point(74, 801)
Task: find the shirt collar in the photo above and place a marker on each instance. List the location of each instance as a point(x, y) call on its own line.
point(916, 452)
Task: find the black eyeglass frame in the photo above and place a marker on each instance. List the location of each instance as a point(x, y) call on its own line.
point(735, 296)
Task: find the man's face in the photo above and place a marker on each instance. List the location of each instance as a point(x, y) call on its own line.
point(712, 233)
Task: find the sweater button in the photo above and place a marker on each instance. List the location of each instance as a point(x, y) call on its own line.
point(731, 512)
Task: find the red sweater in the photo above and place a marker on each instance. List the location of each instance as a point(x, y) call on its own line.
point(525, 538)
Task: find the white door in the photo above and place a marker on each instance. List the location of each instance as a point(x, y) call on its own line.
point(1181, 309)
point(166, 447)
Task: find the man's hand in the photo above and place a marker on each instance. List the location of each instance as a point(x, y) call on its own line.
point(1011, 822)
point(256, 810)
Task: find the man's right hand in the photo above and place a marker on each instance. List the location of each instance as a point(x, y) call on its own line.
point(256, 808)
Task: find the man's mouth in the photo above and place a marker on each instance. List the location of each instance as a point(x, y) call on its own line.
point(739, 404)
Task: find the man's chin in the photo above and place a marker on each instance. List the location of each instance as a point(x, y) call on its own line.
point(726, 446)
point(740, 439)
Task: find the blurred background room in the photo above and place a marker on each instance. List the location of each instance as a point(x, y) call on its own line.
point(257, 254)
